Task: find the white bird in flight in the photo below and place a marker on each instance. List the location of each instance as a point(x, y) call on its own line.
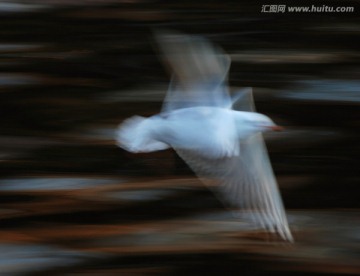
point(218, 136)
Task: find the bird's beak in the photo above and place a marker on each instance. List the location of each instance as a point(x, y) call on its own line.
point(276, 128)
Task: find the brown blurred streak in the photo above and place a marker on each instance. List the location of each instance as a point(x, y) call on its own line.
point(49, 203)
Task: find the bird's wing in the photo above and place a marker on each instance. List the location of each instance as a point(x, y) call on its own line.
point(246, 181)
point(199, 71)
point(243, 100)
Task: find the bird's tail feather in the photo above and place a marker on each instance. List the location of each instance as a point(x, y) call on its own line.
point(134, 135)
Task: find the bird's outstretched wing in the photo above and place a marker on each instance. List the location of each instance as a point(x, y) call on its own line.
point(199, 78)
point(246, 181)
point(199, 72)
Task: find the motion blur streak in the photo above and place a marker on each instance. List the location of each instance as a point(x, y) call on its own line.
point(71, 202)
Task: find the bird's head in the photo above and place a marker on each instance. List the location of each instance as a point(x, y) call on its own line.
point(261, 123)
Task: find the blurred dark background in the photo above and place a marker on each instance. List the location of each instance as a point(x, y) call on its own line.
point(73, 202)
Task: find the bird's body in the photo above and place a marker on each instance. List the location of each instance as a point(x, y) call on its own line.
point(222, 145)
point(211, 131)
